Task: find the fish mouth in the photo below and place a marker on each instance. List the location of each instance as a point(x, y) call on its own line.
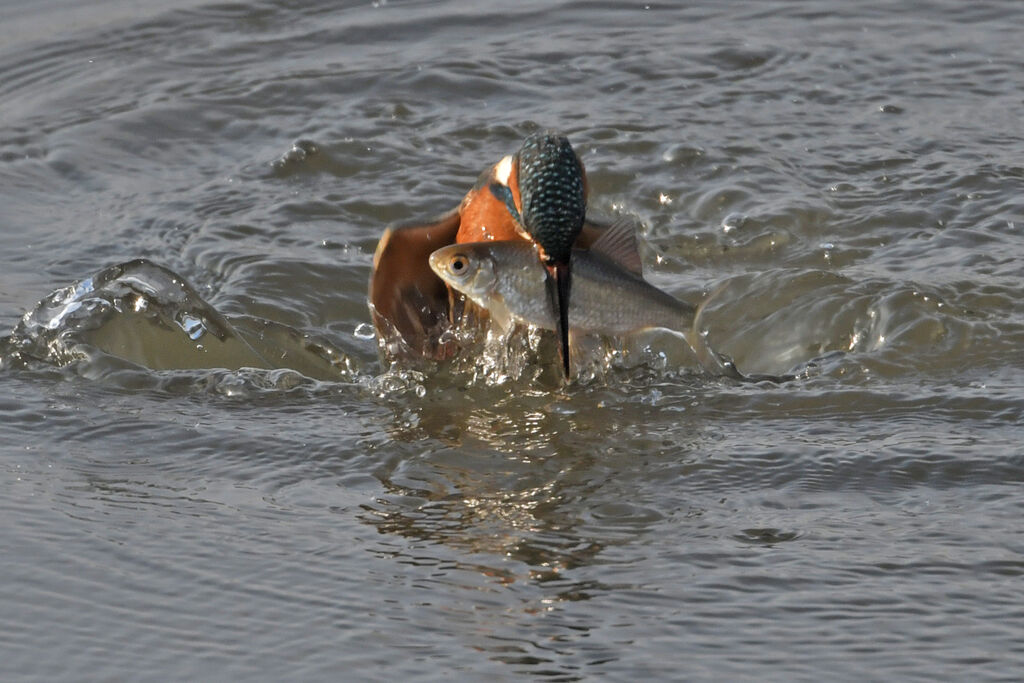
point(436, 260)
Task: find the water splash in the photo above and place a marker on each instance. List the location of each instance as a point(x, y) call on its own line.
point(145, 315)
point(138, 317)
point(485, 356)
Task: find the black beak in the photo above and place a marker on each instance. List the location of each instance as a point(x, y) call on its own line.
point(560, 275)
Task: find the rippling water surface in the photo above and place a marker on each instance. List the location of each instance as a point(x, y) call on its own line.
point(842, 182)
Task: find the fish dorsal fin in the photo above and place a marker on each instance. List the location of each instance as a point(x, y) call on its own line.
point(618, 242)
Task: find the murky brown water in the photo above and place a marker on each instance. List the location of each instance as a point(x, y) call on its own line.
point(844, 179)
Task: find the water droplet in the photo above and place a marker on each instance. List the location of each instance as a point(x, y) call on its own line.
point(58, 319)
point(84, 287)
point(364, 331)
point(733, 221)
point(300, 151)
point(193, 326)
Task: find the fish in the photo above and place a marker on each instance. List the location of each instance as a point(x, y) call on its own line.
point(507, 279)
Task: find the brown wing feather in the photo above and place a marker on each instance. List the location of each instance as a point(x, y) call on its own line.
point(405, 295)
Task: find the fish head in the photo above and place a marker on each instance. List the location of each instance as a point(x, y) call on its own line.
point(467, 268)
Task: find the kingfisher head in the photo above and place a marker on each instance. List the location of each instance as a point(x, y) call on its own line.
point(544, 188)
point(552, 194)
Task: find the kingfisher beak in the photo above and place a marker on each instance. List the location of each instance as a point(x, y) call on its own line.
point(560, 275)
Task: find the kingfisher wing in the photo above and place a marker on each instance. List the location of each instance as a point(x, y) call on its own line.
point(405, 294)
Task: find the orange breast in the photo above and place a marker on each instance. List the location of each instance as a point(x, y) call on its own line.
point(484, 216)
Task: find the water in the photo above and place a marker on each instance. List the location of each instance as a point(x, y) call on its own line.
point(843, 180)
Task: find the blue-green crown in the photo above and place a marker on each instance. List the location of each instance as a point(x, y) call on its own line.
point(551, 189)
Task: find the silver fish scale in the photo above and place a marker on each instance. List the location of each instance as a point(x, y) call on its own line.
point(609, 300)
point(605, 298)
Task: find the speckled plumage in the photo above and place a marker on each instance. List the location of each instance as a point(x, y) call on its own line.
point(551, 192)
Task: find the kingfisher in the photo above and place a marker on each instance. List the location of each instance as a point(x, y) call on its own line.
point(538, 194)
point(550, 212)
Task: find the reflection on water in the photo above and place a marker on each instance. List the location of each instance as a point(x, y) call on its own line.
point(506, 476)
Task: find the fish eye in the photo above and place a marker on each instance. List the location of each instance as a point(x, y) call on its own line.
point(458, 264)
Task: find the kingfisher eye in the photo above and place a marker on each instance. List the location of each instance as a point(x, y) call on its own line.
point(458, 264)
